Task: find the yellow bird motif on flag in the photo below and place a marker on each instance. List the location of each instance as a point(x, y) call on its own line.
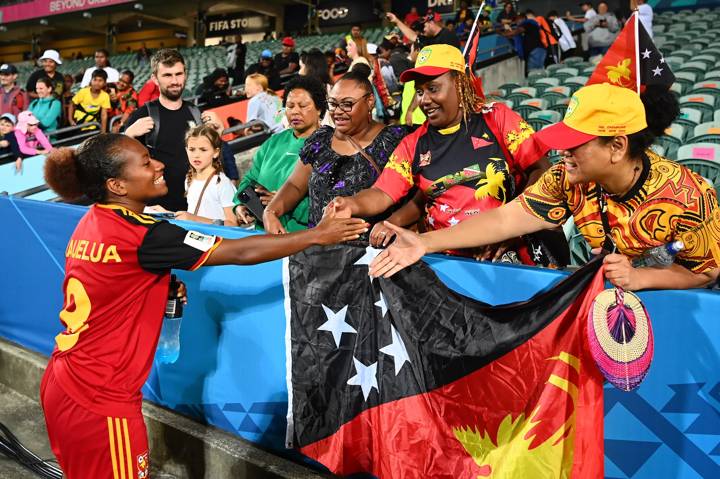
point(492, 185)
point(620, 74)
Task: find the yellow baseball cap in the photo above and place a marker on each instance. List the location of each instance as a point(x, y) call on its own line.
point(434, 60)
point(596, 110)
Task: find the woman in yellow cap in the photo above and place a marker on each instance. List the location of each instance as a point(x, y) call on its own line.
point(623, 197)
point(469, 156)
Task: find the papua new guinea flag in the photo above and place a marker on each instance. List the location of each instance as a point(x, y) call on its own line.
point(405, 378)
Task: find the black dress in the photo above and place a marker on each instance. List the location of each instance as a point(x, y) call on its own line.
point(343, 175)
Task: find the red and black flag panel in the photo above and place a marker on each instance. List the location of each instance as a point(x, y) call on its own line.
point(633, 53)
point(405, 378)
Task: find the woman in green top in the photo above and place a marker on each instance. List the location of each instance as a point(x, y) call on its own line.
point(305, 104)
point(46, 107)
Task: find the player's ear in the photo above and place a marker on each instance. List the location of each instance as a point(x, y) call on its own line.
point(116, 186)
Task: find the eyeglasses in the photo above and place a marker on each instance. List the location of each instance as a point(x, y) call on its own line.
point(345, 105)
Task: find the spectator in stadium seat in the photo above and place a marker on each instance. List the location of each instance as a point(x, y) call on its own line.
point(8, 140)
point(266, 67)
point(412, 16)
point(313, 64)
point(563, 34)
point(50, 60)
point(101, 63)
point(645, 11)
point(357, 50)
point(236, 54)
point(588, 13)
point(66, 98)
point(384, 53)
point(337, 161)
point(507, 16)
point(305, 104)
point(215, 89)
point(534, 53)
point(264, 103)
point(30, 138)
point(433, 32)
point(149, 92)
point(604, 178)
point(124, 99)
point(46, 108)
point(602, 30)
point(463, 13)
point(13, 99)
point(92, 103)
point(168, 71)
point(470, 156)
point(288, 60)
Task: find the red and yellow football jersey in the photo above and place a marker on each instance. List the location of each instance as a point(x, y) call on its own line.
point(116, 286)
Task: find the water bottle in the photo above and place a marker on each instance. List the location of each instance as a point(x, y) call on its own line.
point(168, 348)
point(660, 256)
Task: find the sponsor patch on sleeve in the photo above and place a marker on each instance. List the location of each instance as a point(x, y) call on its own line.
point(199, 241)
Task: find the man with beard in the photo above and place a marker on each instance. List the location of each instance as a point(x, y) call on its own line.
point(161, 125)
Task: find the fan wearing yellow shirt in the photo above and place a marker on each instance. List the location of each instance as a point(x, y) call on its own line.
point(91, 104)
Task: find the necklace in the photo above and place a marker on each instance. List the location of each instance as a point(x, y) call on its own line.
point(632, 183)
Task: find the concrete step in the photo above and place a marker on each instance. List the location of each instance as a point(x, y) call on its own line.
point(180, 448)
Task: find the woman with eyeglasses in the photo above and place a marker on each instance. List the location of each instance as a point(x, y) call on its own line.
point(338, 161)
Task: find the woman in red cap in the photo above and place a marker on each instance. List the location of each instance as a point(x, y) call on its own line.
point(287, 61)
point(623, 197)
point(469, 156)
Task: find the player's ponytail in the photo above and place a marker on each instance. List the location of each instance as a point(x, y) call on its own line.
point(61, 173)
point(84, 171)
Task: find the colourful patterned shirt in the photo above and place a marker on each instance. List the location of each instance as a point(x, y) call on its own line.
point(668, 202)
point(465, 169)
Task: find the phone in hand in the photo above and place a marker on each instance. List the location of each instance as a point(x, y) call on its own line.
point(251, 200)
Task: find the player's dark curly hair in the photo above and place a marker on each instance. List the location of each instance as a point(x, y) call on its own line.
point(72, 173)
point(360, 77)
point(315, 89)
point(661, 109)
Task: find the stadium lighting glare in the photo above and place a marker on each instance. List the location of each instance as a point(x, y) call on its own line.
point(3, 28)
point(43, 21)
point(138, 6)
point(87, 14)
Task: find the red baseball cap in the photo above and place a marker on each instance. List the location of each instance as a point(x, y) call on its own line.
point(288, 42)
point(431, 15)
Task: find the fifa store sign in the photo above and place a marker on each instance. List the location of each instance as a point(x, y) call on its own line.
point(221, 25)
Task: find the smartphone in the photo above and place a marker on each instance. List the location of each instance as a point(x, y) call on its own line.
point(251, 200)
point(162, 216)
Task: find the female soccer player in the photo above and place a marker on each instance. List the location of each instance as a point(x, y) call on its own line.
point(117, 270)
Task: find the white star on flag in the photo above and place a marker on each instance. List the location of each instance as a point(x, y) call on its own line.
point(662, 59)
point(657, 71)
point(443, 208)
point(431, 221)
point(397, 350)
point(336, 323)
point(646, 53)
point(382, 305)
point(366, 377)
point(370, 254)
point(453, 221)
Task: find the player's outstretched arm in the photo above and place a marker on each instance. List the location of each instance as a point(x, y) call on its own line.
point(257, 249)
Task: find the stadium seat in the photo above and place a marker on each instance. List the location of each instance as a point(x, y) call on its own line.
point(686, 78)
point(672, 139)
point(708, 86)
point(660, 150)
point(697, 67)
point(564, 73)
point(716, 116)
point(536, 74)
point(709, 60)
point(689, 117)
point(573, 60)
point(530, 105)
point(706, 133)
point(544, 83)
point(678, 88)
point(560, 105)
point(712, 75)
point(555, 93)
point(699, 151)
point(703, 102)
point(710, 170)
point(519, 94)
point(542, 118)
point(579, 248)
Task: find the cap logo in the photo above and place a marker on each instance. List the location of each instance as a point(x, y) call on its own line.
point(572, 106)
point(424, 56)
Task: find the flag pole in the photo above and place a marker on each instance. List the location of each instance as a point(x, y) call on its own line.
point(637, 50)
point(472, 31)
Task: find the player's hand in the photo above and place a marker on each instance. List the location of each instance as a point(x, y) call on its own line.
point(407, 249)
point(141, 127)
point(340, 207)
point(243, 215)
point(211, 118)
point(620, 272)
point(4, 143)
point(381, 235)
point(185, 216)
point(334, 229)
point(391, 17)
point(272, 223)
point(265, 195)
point(18, 165)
